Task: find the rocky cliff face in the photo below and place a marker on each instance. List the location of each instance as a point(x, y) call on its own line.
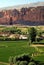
point(30, 14)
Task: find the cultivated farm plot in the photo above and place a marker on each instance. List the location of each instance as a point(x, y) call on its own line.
point(40, 56)
point(14, 48)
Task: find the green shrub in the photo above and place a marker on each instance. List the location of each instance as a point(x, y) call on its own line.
point(23, 57)
point(18, 62)
point(15, 59)
point(23, 63)
point(11, 60)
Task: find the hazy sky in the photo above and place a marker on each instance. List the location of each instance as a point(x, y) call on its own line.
point(6, 3)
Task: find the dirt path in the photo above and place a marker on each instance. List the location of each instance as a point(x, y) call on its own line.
point(37, 45)
point(4, 63)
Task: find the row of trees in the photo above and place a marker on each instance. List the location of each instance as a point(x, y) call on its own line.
point(31, 33)
point(12, 30)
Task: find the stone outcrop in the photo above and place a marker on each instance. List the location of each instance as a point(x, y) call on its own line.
point(30, 14)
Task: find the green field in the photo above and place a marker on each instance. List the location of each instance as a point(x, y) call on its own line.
point(40, 57)
point(14, 48)
point(2, 64)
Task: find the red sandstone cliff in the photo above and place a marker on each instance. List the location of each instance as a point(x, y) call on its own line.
point(33, 14)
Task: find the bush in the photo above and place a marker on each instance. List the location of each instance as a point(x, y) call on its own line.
point(18, 62)
point(23, 63)
point(11, 60)
point(24, 57)
point(8, 39)
point(31, 63)
point(16, 59)
point(39, 39)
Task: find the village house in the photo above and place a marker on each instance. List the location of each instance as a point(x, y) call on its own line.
point(23, 37)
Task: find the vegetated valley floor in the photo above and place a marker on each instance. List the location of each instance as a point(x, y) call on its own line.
point(14, 48)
